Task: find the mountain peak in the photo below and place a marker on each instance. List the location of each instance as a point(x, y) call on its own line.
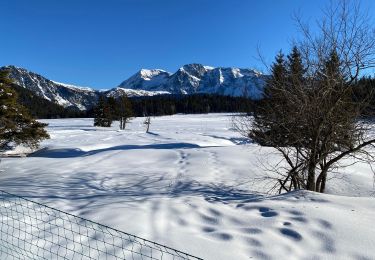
point(146, 79)
point(192, 66)
point(148, 74)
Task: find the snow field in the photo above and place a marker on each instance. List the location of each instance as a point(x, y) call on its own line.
point(191, 184)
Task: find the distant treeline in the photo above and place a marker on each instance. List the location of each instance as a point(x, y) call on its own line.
point(365, 89)
point(189, 104)
point(141, 106)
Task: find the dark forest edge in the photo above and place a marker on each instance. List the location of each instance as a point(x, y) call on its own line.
point(141, 106)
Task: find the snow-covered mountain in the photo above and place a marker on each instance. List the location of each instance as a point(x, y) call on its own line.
point(117, 92)
point(65, 94)
point(150, 80)
point(189, 79)
point(196, 78)
point(60, 93)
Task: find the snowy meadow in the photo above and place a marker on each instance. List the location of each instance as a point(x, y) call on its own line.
point(192, 184)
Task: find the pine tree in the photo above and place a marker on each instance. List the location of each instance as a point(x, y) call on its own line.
point(125, 111)
point(278, 72)
point(277, 81)
point(113, 107)
point(295, 67)
point(268, 121)
point(102, 112)
point(16, 124)
point(331, 73)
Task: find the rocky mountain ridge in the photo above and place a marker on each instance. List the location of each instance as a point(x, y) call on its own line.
point(189, 79)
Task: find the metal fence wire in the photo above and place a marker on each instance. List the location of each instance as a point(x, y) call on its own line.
point(30, 230)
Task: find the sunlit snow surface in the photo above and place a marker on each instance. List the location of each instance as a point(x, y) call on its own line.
point(190, 184)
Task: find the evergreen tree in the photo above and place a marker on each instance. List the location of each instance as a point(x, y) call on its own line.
point(16, 124)
point(125, 111)
point(295, 67)
point(102, 113)
point(268, 121)
point(114, 108)
point(364, 91)
point(331, 73)
point(278, 74)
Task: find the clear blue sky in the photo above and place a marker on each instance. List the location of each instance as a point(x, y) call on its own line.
point(100, 43)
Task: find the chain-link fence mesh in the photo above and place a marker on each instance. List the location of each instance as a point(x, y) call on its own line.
point(30, 230)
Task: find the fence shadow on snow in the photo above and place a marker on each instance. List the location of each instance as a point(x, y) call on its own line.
point(30, 230)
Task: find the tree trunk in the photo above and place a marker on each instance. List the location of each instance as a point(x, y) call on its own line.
point(323, 184)
point(294, 181)
point(311, 177)
point(148, 127)
point(122, 123)
point(321, 181)
point(318, 182)
point(282, 184)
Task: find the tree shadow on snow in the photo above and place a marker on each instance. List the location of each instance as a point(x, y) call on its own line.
point(89, 191)
point(234, 140)
point(93, 187)
point(76, 152)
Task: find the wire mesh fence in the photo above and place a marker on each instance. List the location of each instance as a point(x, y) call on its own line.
point(30, 230)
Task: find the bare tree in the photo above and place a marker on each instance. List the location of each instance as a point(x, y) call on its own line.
point(147, 123)
point(308, 113)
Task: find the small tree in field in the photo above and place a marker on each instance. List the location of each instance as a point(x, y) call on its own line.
point(125, 111)
point(103, 114)
point(309, 113)
point(147, 123)
point(16, 124)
